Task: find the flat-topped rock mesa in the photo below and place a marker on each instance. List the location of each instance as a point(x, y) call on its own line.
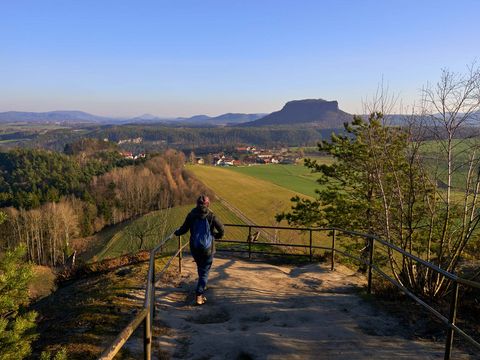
point(317, 112)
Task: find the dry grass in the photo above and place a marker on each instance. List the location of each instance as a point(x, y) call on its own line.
point(86, 314)
point(43, 282)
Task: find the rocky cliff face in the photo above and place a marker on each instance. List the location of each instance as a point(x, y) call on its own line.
point(317, 112)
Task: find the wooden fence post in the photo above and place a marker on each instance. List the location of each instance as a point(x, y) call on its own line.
point(311, 243)
point(180, 254)
point(153, 307)
point(147, 338)
point(451, 320)
point(370, 262)
point(249, 242)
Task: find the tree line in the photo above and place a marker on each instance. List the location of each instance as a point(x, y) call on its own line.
point(160, 136)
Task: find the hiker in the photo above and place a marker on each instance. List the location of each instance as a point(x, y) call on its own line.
point(202, 223)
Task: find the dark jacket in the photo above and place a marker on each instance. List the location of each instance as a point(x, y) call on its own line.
point(201, 212)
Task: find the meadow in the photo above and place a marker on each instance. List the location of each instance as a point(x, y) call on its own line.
point(293, 177)
point(297, 178)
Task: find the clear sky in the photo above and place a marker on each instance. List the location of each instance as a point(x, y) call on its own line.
point(178, 58)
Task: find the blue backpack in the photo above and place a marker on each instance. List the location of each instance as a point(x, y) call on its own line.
point(202, 237)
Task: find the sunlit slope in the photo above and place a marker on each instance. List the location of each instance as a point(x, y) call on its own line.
point(258, 199)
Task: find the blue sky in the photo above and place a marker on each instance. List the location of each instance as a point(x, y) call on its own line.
point(178, 58)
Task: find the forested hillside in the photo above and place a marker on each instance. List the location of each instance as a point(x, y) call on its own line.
point(29, 178)
point(50, 198)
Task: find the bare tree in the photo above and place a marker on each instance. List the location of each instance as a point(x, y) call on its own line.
point(151, 227)
point(452, 110)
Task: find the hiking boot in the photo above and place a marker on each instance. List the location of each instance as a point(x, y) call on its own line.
point(200, 299)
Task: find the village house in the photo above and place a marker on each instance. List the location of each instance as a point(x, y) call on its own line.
point(249, 155)
point(130, 156)
point(217, 158)
point(126, 154)
point(242, 149)
point(225, 161)
point(139, 156)
point(137, 140)
point(265, 156)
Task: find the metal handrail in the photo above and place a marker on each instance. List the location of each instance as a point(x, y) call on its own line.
point(374, 237)
point(147, 313)
point(449, 322)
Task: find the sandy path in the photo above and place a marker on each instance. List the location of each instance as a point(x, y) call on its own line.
point(261, 311)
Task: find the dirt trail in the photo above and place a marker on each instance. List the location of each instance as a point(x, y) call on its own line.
point(261, 311)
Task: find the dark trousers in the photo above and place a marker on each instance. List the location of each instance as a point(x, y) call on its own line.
point(204, 263)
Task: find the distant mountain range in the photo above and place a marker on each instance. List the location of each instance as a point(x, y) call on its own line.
point(315, 112)
point(318, 113)
point(51, 116)
point(72, 117)
point(224, 119)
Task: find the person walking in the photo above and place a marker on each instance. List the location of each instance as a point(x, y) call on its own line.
point(204, 227)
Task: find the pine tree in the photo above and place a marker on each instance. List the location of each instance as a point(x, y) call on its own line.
point(17, 327)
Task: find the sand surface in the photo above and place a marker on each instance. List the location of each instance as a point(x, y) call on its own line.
point(256, 310)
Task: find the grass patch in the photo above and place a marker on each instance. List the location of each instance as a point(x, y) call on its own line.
point(11, 141)
point(297, 178)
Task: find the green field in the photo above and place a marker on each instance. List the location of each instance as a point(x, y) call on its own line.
point(11, 141)
point(297, 178)
point(462, 149)
point(26, 126)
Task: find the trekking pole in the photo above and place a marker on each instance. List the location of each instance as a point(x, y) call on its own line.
point(249, 242)
point(180, 254)
point(333, 251)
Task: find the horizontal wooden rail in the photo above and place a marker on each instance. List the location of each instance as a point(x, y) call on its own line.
point(122, 338)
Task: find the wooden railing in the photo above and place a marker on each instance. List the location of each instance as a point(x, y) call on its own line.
point(146, 315)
